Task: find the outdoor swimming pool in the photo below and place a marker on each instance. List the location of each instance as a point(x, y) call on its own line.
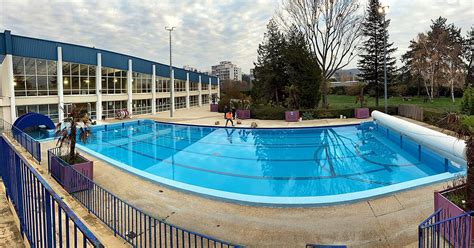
point(323, 165)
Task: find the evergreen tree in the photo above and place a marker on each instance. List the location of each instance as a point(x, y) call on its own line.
point(270, 78)
point(371, 63)
point(470, 58)
point(303, 71)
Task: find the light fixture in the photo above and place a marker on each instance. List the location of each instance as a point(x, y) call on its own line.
point(86, 81)
point(66, 81)
point(115, 80)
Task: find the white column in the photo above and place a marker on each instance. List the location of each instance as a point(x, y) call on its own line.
point(98, 86)
point(187, 90)
point(129, 87)
point(153, 90)
point(60, 84)
point(218, 88)
point(209, 88)
point(200, 91)
point(172, 93)
point(11, 83)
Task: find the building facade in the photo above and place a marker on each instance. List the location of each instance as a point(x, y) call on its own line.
point(48, 77)
point(225, 70)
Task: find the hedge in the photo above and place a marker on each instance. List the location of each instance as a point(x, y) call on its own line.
point(267, 112)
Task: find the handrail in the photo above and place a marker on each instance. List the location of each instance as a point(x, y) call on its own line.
point(454, 231)
point(467, 214)
point(31, 145)
point(134, 225)
point(38, 206)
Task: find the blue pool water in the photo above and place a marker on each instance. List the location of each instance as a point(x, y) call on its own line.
point(264, 163)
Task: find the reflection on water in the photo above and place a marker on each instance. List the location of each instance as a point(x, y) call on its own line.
point(270, 162)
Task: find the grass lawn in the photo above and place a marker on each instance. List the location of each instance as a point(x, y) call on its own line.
point(442, 104)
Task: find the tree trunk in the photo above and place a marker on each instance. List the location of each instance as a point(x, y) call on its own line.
point(452, 91)
point(470, 173)
point(72, 148)
point(324, 87)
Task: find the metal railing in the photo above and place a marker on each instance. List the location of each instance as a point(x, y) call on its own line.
point(31, 145)
point(45, 219)
point(130, 223)
point(436, 231)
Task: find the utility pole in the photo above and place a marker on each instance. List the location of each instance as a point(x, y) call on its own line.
point(171, 29)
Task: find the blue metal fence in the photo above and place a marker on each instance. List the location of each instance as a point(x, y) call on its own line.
point(132, 224)
point(45, 220)
point(436, 231)
point(31, 145)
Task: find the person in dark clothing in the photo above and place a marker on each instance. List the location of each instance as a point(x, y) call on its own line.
point(233, 112)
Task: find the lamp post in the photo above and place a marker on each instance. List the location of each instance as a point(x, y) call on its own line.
point(171, 29)
point(383, 11)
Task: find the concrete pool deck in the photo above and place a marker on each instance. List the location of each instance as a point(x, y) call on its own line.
point(389, 221)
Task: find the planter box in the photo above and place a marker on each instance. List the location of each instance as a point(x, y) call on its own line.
point(361, 113)
point(214, 107)
point(292, 116)
point(450, 210)
point(243, 114)
point(68, 177)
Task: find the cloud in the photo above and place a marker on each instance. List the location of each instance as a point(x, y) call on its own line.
point(207, 31)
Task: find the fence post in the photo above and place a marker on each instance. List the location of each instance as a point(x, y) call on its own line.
point(115, 215)
point(47, 204)
point(20, 193)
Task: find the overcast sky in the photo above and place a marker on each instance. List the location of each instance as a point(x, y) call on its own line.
point(207, 31)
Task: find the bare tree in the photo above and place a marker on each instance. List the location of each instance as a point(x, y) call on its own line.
point(332, 29)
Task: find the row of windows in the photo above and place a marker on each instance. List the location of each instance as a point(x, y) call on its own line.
point(114, 81)
point(142, 106)
point(179, 85)
point(50, 110)
point(163, 104)
point(110, 108)
point(162, 84)
point(79, 79)
point(89, 107)
point(38, 77)
point(193, 100)
point(34, 77)
point(193, 86)
point(141, 83)
point(205, 99)
point(180, 102)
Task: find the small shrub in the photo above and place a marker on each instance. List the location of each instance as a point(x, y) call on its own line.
point(467, 102)
point(307, 116)
point(268, 112)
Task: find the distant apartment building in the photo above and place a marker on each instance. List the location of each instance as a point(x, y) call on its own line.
point(252, 77)
point(225, 70)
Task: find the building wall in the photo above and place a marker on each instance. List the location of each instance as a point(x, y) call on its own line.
point(90, 78)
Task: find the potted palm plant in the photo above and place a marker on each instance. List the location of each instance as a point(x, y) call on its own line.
point(292, 115)
point(243, 110)
point(362, 112)
point(75, 125)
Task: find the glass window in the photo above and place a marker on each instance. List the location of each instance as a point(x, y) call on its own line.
point(205, 98)
point(31, 89)
point(52, 68)
point(75, 69)
point(18, 66)
point(20, 87)
point(42, 85)
point(30, 68)
point(41, 68)
point(180, 102)
point(162, 104)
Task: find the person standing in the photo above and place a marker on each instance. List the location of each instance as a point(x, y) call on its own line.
point(228, 117)
point(233, 112)
point(226, 109)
